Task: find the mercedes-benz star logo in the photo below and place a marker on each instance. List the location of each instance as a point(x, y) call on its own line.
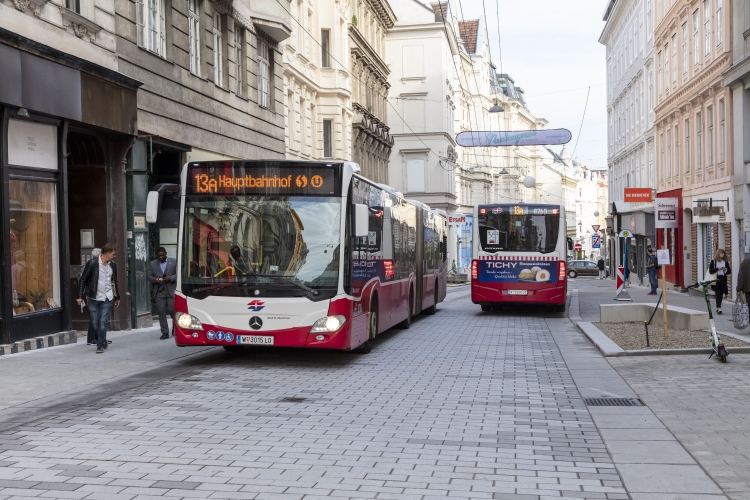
point(256, 323)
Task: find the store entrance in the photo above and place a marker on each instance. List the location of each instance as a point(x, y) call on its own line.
point(87, 209)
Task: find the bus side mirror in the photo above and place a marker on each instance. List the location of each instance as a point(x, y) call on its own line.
point(152, 207)
point(361, 220)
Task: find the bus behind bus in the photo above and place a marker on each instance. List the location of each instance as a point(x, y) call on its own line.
point(519, 255)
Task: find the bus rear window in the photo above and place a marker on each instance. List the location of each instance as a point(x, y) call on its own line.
point(518, 229)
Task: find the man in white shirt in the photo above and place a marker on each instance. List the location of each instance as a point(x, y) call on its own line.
point(98, 285)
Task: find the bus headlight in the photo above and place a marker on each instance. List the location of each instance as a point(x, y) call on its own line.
point(188, 322)
point(328, 324)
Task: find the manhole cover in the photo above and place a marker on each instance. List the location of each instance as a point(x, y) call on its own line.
point(613, 402)
point(293, 400)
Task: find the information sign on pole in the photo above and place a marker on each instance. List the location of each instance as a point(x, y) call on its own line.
point(626, 233)
point(596, 227)
point(596, 241)
point(662, 257)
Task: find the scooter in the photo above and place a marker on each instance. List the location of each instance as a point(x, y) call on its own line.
point(718, 348)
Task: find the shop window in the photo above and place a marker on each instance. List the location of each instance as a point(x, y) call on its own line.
point(34, 246)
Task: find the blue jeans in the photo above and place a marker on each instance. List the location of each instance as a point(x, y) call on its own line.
point(652, 280)
point(99, 311)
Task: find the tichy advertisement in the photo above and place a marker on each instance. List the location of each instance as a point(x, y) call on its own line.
point(518, 271)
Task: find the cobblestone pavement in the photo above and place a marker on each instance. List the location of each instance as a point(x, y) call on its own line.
point(462, 405)
point(704, 403)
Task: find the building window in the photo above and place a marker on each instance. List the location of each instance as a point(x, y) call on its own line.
point(699, 152)
point(649, 17)
point(194, 37)
point(722, 133)
point(327, 138)
point(239, 58)
point(710, 135)
point(684, 49)
point(154, 26)
point(719, 22)
point(707, 25)
point(663, 157)
point(74, 5)
point(658, 72)
point(674, 58)
point(218, 51)
point(669, 153)
point(687, 146)
point(676, 150)
point(696, 38)
point(264, 66)
point(34, 246)
point(666, 68)
point(325, 47)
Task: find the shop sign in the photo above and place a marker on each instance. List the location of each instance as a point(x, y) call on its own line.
point(32, 144)
point(455, 220)
point(638, 195)
point(666, 213)
point(708, 211)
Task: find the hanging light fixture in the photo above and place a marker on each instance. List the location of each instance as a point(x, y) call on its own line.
point(503, 172)
point(496, 108)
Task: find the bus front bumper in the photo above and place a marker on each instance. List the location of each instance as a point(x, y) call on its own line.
point(292, 337)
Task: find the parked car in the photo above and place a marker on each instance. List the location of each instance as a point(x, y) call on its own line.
point(582, 268)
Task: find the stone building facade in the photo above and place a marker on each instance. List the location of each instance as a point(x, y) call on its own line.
point(336, 83)
point(693, 123)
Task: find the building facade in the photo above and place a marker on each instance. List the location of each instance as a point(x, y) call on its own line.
point(629, 39)
point(737, 79)
point(67, 119)
point(336, 83)
point(693, 132)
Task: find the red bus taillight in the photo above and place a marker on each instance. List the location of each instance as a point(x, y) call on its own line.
point(561, 276)
point(474, 269)
point(389, 269)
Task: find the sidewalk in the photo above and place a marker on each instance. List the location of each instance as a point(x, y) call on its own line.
point(594, 292)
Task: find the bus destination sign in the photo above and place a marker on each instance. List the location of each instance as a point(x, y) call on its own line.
point(234, 179)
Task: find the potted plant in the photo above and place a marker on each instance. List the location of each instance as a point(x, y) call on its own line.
point(36, 297)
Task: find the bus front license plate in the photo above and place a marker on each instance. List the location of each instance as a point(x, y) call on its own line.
point(518, 292)
point(256, 340)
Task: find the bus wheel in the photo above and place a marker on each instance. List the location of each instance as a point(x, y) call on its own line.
point(433, 308)
point(405, 324)
point(486, 308)
point(233, 348)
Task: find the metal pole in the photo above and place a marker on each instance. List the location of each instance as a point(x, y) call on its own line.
point(626, 270)
point(664, 288)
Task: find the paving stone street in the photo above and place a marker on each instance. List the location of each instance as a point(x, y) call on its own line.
point(464, 404)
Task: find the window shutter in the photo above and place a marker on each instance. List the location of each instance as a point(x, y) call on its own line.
point(139, 23)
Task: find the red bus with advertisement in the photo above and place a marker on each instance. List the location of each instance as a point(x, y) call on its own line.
point(519, 255)
point(299, 254)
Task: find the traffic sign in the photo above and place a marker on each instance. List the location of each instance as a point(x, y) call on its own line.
point(596, 227)
point(578, 247)
point(626, 233)
point(596, 241)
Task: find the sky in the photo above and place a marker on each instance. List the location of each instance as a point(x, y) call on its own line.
point(551, 49)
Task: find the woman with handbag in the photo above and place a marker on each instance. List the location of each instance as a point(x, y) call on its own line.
point(719, 267)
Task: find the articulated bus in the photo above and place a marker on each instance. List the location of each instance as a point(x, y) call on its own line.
point(299, 254)
point(519, 255)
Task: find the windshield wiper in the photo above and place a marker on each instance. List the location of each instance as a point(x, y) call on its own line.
point(240, 284)
point(289, 280)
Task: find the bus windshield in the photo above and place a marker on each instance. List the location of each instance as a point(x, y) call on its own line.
point(518, 228)
point(261, 240)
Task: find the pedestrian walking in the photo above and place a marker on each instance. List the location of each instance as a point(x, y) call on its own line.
point(454, 268)
point(652, 266)
point(98, 287)
point(162, 273)
point(720, 267)
point(600, 265)
point(91, 336)
point(743, 278)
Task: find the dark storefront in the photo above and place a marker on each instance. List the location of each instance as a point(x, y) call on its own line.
point(66, 126)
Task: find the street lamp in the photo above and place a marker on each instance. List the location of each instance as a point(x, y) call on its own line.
point(496, 108)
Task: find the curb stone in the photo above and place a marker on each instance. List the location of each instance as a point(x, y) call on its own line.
point(52, 340)
point(611, 350)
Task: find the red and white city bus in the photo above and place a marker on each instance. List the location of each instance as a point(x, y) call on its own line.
point(519, 255)
point(299, 254)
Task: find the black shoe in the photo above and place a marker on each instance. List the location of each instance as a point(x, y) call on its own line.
point(164, 337)
point(718, 311)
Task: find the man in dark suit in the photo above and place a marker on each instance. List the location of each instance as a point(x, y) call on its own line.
point(162, 273)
